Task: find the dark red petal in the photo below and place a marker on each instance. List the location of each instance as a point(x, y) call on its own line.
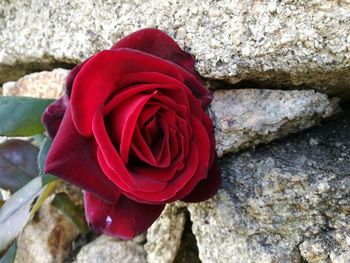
point(123, 120)
point(151, 132)
point(141, 149)
point(202, 144)
point(53, 115)
point(71, 77)
point(199, 91)
point(144, 89)
point(158, 43)
point(208, 124)
point(147, 113)
point(73, 158)
point(163, 174)
point(126, 219)
point(161, 149)
point(206, 188)
point(181, 178)
point(99, 77)
point(112, 164)
point(183, 79)
point(174, 143)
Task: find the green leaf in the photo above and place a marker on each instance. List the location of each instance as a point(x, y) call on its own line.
point(17, 164)
point(10, 255)
point(74, 213)
point(20, 208)
point(44, 149)
point(21, 116)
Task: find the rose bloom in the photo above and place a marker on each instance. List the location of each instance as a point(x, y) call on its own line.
point(132, 132)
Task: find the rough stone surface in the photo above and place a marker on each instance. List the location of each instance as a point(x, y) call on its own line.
point(188, 251)
point(47, 238)
point(279, 196)
point(45, 84)
point(5, 194)
point(247, 117)
point(332, 246)
point(276, 43)
point(110, 250)
point(164, 236)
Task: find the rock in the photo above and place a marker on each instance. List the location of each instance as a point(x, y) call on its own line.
point(164, 236)
point(273, 43)
point(188, 250)
point(45, 84)
point(47, 238)
point(4, 194)
point(332, 246)
point(279, 196)
point(247, 117)
point(110, 250)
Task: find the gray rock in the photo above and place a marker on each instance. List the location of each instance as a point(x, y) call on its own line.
point(164, 236)
point(49, 236)
point(4, 194)
point(188, 250)
point(279, 196)
point(110, 250)
point(248, 117)
point(45, 84)
point(275, 43)
point(332, 246)
point(46, 239)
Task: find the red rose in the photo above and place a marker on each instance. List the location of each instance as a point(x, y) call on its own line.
point(132, 132)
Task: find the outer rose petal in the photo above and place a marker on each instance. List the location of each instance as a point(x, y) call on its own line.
point(53, 115)
point(73, 158)
point(206, 188)
point(71, 77)
point(155, 42)
point(99, 77)
point(159, 44)
point(126, 219)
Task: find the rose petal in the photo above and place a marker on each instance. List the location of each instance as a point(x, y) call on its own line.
point(99, 77)
point(148, 113)
point(206, 188)
point(158, 43)
point(173, 143)
point(112, 164)
point(181, 178)
point(164, 174)
point(73, 158)
point(152, 132)
point(125, 219)
point(202, 144)
point(71, 77)
point(208, 124)
point(122, 122)
point(171, 89)
point(136, 89)
point(161, 150)
point(53, 115)
point(140, 148)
